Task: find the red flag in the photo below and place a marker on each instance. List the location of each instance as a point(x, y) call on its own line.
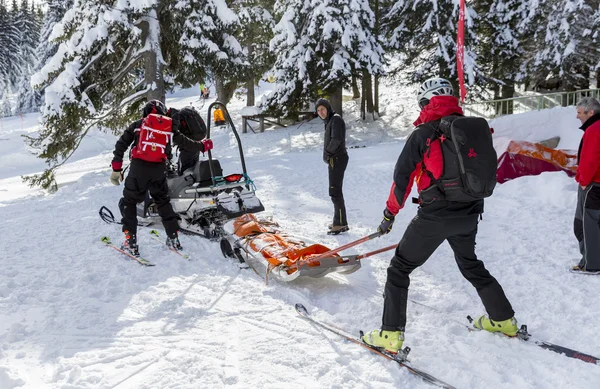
point(460, 51)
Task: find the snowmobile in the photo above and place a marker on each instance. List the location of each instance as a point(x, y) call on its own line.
point(202, 196)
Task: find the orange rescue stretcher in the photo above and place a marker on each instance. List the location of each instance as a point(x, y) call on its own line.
point(289, 257)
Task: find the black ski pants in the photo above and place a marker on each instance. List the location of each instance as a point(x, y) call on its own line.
point(147, 177)
point(337, 168)
point(587, 226)
point(423, 236)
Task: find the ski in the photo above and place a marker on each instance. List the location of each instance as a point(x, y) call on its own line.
point(140, 260)
point(301, 310)
point(156, 236)
point(525, 336)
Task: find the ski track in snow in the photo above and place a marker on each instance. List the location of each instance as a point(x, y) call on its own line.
point(77, 315)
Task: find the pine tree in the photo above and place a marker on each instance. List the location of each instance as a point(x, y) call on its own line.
point(14, 56)
point(501, 30)
point(317, 45)
point(100, 76)
point(256, 31)
point(4, 68)
point(564, 44)
point(45, 48)
point(30, 36)
point(424, 33)
point(208, 44)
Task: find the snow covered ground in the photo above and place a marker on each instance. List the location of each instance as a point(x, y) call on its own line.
point(75, 314)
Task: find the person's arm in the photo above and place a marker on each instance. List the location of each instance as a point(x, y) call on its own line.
point(188, 144)
point(589, 163)
point(338, 133)
point(125, 141)
point(406, 167)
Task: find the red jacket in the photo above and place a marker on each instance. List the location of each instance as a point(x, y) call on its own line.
point(421, 151)
point(588, 170)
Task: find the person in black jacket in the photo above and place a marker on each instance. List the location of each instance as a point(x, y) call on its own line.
point(438, 219)
point(146, 176)
point(335, 156)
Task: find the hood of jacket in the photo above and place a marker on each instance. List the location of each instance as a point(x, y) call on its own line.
point(438, 107)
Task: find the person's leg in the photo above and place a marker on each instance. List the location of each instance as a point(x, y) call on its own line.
point(491, 293)
point(337, 168)
point(578, 224)
point(160, 193)
point(134, 192)
point(591, 228)
point(421, 238)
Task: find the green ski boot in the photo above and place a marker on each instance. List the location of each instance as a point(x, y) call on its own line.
point(391, 341)
point(508, 327)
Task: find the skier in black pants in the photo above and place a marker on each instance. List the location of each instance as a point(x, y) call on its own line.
point(437, 220)
point(335, 156)
point(145, 175)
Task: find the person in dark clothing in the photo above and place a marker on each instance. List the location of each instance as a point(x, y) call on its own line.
point(437, 220)
point(149, 176)
point(192, 126)
point(335, 156)
point(587, 213)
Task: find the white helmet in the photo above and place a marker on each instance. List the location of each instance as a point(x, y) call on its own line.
point(433, 87)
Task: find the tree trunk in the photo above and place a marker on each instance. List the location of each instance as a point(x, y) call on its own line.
point(368, 88)
point(224, 89)
point(355, 91)
point(153, 69)
point(363, 98)
point(508, 91)
point(376, 95)
point(376, 86)
point(250, 80)
point(335, 98)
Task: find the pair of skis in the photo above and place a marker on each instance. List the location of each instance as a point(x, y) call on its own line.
point(142, 261)
point(400, 358)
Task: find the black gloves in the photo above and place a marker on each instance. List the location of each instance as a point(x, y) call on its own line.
point(386, 223)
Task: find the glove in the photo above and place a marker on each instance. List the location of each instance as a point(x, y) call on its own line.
point(208, 144)
point(387, 222)
point(326, 158)
point(116, 177)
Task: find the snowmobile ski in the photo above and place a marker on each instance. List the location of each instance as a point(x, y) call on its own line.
point(525, 336)
point(156, 236)
point(301, 310)
point(106, 240)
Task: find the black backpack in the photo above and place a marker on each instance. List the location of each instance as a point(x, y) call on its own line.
point(469, 158)
point(192, 124)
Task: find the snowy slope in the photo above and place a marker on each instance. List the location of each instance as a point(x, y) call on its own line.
point(75, 314)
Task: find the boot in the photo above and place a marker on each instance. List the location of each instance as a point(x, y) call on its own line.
point(173, 242)
point(334, 230)
point(508, 327)
point(130, 244)
point(391, 341)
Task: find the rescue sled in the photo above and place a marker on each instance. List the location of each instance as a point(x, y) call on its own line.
point(286, 257)
point(205, 198)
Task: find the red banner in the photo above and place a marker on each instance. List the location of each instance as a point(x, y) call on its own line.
point(460, 51)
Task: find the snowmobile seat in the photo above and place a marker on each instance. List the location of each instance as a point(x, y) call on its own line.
point(202, 172)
